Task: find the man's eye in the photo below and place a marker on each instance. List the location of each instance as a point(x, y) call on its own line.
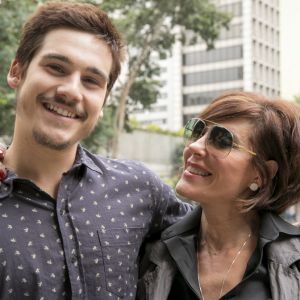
point(56, 68)
point(91, 81)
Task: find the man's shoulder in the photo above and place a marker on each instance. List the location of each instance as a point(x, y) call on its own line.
point(107, 165)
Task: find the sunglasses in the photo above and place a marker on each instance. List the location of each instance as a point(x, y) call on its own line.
point(219, 140)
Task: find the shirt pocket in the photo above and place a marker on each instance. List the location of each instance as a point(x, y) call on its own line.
point(120, 247)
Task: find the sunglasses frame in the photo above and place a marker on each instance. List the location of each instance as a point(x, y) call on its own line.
point(204, 121)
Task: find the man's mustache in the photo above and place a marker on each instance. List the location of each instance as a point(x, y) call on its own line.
point(60, 100)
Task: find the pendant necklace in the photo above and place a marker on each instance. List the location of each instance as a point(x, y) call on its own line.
point(228, 270)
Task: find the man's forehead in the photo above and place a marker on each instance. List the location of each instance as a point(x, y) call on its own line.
point(77, 47)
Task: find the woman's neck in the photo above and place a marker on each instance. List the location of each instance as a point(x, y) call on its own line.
point(227, 229)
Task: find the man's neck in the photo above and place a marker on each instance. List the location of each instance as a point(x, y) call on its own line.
point(41, 165)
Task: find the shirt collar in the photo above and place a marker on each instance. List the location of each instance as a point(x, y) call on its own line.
point(6, 185)
point(83, 157)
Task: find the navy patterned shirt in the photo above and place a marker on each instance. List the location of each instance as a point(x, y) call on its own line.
point(85, 243)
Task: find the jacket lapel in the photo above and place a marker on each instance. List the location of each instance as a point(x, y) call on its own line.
point(181, 240)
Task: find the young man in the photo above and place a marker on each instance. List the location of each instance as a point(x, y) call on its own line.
point(72, 223)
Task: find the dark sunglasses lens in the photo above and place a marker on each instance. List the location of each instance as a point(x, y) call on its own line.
point(193, 129)
point(220, 141)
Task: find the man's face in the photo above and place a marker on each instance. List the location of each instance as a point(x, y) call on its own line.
point(61, 96)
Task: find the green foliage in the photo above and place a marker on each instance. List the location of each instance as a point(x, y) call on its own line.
point(100, 138)
point(137, 21)
point(155, 128)
point(12, 16)
point(297, 99)
point(177, 162)
point(7, 112)
point(134, 124)
point(148, 28)
point(144, 91)
point(177, 158)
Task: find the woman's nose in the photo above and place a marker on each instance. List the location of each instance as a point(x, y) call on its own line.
point(198, 146)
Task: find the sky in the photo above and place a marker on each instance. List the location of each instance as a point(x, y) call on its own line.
point(290, 48)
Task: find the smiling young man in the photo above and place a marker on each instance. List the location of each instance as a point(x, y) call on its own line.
point(72, 223)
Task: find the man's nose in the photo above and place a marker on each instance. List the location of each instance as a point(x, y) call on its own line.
point(70, 88)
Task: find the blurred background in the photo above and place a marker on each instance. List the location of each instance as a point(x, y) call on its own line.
point(180, 55)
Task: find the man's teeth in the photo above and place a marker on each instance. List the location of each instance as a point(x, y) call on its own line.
point(197, 171)
point(60, 111)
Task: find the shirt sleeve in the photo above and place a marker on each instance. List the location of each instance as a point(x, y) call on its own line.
point(167, 208)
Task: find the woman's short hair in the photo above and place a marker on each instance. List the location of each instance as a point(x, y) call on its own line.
point(275, 135)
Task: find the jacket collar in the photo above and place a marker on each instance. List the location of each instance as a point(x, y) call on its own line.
point(181, 239)
point(284, 250)
point(188, 223)
point(271, 226)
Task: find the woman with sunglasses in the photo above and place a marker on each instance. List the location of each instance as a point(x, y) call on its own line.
point(242, 165)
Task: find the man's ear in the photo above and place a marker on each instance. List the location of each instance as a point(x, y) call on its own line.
point(272, 165)
point(14, 74)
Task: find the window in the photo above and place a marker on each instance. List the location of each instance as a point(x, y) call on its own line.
point(201, 98)
point(220, 54)
point(212, 76)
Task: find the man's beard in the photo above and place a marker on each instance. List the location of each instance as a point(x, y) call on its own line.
point(42, 139)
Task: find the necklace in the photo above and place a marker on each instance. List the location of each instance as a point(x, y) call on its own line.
point(228, 270)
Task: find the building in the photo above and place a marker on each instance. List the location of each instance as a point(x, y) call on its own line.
point(246, 57)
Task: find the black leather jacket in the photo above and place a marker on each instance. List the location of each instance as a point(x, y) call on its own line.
point(175, 252)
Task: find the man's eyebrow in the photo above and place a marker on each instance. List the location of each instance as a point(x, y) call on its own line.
point(65, 59)
point(60, 57)
point(97, 72)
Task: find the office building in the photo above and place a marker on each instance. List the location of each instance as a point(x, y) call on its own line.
point(245, 57)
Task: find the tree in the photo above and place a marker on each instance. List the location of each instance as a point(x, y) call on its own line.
point(148, 27)
point(12, 16)
point(297, 99)
point(100, 137)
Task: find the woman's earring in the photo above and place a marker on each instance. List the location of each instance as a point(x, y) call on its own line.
point(253, 187)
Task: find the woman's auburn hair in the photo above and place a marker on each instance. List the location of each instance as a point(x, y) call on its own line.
point(275, 136)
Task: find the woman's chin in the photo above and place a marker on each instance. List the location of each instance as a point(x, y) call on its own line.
point(182, 190)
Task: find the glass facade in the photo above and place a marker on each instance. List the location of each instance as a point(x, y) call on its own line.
point(213, 76)
point(201, 98)
point(234, 31)
point(214, 55)
point(235, 9)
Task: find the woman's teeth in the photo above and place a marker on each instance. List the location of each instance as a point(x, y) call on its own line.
point(196, 171)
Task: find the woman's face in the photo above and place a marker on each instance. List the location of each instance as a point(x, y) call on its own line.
point(208, 179)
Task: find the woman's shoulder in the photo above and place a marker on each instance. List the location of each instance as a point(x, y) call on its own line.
point(284, 267)
point(284, 240)
point(274, 227)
